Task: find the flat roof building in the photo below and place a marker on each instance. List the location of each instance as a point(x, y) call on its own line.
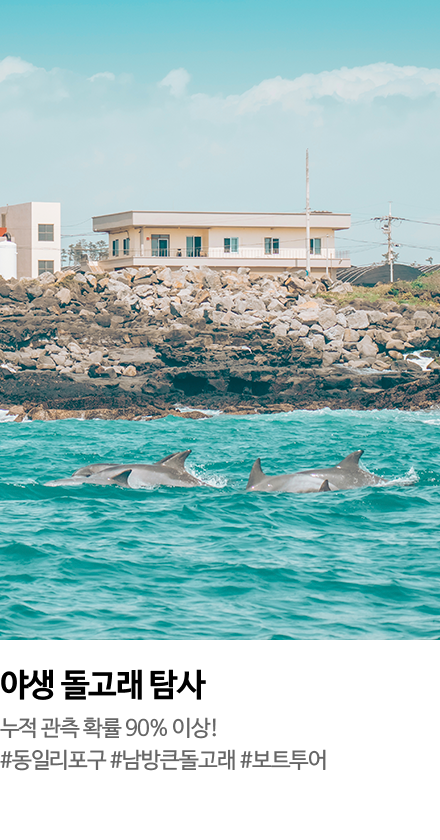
point(36, 229)
point(268, 241)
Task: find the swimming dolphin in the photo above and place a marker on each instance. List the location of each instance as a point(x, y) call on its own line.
point(347, 475)
point(169, 471)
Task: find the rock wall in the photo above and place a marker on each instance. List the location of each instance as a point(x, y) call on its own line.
point(140, 342)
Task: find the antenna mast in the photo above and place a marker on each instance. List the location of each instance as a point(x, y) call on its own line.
point(307, 215)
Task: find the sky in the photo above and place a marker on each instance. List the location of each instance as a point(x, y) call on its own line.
point(210, 105)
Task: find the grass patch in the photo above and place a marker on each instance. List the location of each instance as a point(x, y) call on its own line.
point(421, 292)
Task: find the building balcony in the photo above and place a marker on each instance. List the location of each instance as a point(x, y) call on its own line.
point(217, 257)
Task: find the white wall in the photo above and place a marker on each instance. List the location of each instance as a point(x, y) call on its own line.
point(46, 213)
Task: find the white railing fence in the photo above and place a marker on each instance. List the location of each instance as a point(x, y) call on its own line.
point(330, 254)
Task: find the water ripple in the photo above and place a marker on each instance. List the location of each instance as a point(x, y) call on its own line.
point(94, 562)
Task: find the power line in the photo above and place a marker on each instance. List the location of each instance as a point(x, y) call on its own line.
point(78, 223)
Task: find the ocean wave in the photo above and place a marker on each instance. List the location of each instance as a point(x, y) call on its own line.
point(6, 417)
point(411, 477)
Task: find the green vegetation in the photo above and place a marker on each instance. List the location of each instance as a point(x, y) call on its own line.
point(92, 250)
point(424, 290)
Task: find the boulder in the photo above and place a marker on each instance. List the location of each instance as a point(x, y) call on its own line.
point(350, 336)
point(329, 358)
point(95, 358)
point(375, 316)
point(336, 332)
point(46, 363)
point(103, 319)
point(280, 330)
point(395, 344)
point(367, 347)
point(381, 337)
point(327, 319)
point(358, 320)
point(64, 296)
point(308, 316)
point(318, 341)
point(129, 371)
point(422, 319)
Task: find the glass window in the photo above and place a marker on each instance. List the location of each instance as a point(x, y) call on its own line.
point(45, 265)
point(193, 246)
point(271, 246)
point(45, 233)
point(230, 245)
point(126, 246)
point(315, 247)
point(115, 248)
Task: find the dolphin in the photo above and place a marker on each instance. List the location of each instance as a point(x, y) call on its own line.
point(347, 475)
point(169, 471)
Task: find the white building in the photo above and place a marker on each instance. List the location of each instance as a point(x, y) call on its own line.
point(268, 241)
point(36, 229)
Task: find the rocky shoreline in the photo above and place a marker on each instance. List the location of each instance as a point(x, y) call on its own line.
point(142, 344)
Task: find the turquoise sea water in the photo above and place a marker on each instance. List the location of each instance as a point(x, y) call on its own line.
point(95, 562)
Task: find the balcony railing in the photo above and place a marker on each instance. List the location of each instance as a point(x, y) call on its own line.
point(329, 255)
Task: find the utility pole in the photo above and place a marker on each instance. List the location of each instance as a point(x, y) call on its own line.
point(307, 215)
point(390, 250)
point(386, 222)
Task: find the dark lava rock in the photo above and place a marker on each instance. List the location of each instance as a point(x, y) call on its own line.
point(103, 319)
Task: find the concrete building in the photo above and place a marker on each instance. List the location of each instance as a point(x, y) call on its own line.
point(36, 229)
point(268, 241)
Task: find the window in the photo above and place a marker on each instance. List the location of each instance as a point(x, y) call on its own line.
point(3, 224)
point(231, 245)
point(115, 248)
point(271, 246)
point(45, 265)
point(45, 233)
point(315, 247)
point(193, 246)
point(126, 246)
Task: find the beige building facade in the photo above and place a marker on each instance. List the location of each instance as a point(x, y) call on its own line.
point(35, 227)
point(267, 241)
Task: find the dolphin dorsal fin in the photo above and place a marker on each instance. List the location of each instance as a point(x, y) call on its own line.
point(325, 486)
point(121, 478)
point(256, 474)
point(176, 460)
point(351, 460)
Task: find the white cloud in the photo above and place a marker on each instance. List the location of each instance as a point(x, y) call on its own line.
point(176, 81)
point(120, 142)
point(13, 66)
point(110, 77)
point(345, 85)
